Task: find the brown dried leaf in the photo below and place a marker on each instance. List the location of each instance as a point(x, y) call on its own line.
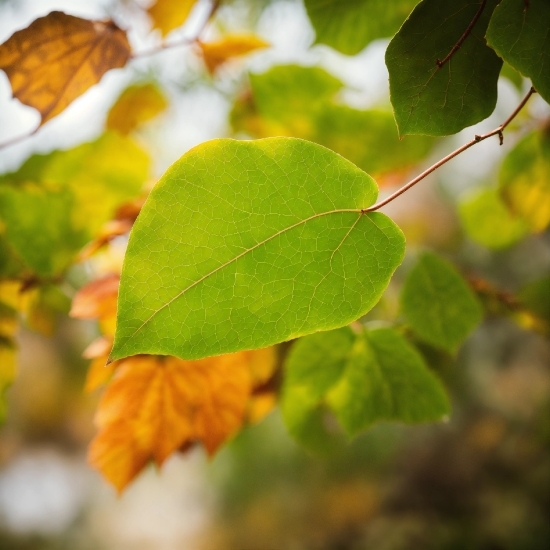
point(58, 57)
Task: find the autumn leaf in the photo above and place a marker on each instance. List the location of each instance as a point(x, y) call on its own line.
point(99, 373)
point(98, 300)
point(58, 57)
point(168, 15)
point(136, 105)
point(230, 46)
point(157, 405)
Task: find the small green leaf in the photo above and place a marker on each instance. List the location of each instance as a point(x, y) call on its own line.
point(488, 221)
point(518, 32)
point(438, 304)
point(245, 244)
point(367, 377)
point(524, 179)
point(386, 379)
point(349, 26)
point(302, 102)
point(438, 101)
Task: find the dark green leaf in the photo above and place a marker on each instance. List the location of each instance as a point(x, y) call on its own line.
point(518, 32)
point(438, 304)
point(438, 101)
point(349, 26)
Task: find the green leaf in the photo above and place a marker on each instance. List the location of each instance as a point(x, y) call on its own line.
point(301, 102)
point(536, 296)
point(366, 377)
point(349, 26)
point(54, 204)
point(438, 304)
point(438, 101)
point(524, 179)
point(518, 32)
point(512, 75)
point(488, 221)
point(245, 244)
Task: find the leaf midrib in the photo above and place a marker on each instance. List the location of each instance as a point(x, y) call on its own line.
point(257, 245)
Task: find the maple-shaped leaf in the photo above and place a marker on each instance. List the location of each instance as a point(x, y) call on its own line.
point(99, 373)
point(58, 57)
point(168, 15)
point(157, 405)
point(220, 51)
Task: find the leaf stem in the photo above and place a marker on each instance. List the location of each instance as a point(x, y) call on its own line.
point(477, 139)
point(185, 41)
point(461, 40)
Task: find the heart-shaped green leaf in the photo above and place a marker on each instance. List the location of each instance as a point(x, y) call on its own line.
point(243, 244)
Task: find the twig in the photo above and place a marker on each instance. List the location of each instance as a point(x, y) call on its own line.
point(477, 139)
point(17, 139)
point(184, 42)
point(461, 40)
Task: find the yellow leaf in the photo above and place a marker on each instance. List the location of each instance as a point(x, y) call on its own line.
point(136, 105)
point(58, 57)
point(157, 405)
point(99, 373)
point(230, 46)
point(168, 15)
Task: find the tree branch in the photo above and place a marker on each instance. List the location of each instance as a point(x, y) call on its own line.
point(461, 40)
point(22, 137)
point(184, 42)
point(477, 139)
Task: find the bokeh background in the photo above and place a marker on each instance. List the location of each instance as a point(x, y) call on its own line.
point(481, 480)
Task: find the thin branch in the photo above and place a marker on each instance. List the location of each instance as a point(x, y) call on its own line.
point(461, 40)
point(477, 139)
point(17, 139)
point(184, 42)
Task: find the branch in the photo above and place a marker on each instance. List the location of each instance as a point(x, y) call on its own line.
point(477, 139)
point(184, 42)
point(461, 40)
point(22, 137)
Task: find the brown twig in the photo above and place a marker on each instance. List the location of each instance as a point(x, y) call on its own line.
point(477, 139)
point(184, 42)
point(22, 137)
point(461, 40)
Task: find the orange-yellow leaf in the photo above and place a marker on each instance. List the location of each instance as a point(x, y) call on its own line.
point(58, 57)
point(157, 405)
point(168, 15)
point(111, 230)
point(99, 373)
point(97, 299)
point(230, 46)
point(136, 105)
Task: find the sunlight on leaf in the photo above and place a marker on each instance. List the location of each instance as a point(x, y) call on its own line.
point(168, 15)
point(58, 57)
point(229, 47)
point(245, 244)
point(136, 105)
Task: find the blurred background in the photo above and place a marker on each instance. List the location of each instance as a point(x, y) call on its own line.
point(479, 481)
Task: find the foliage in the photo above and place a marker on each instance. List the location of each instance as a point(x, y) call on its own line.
point(242, 246)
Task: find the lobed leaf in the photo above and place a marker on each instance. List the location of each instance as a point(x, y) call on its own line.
point(518, 32)
point(349, 26)
point(438, 304)
point(524, 182)
point(434, 100)
point(243, 245)
point(58, 57)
